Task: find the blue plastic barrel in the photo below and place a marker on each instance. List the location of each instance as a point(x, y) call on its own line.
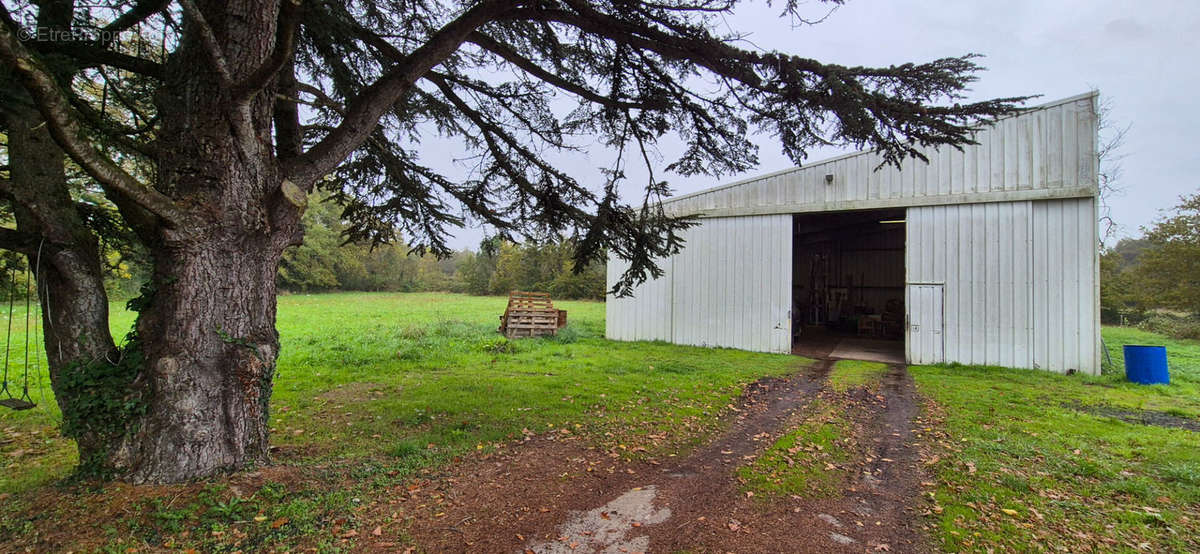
point(1146, 364)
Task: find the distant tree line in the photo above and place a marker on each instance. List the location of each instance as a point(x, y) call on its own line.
point(1154, 281)
point(325, 263)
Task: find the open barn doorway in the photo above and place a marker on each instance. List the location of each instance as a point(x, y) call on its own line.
point(848, 285)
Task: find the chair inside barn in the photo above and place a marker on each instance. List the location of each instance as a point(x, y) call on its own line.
point(531, 314)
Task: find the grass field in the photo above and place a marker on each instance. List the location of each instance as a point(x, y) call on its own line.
point(374, 389)
point(1030, 461)
point(379, 386)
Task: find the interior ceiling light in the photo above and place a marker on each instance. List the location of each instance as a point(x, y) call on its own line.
point(891, 221)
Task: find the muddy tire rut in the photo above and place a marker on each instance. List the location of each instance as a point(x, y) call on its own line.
point(554, 494)
point(890, 481)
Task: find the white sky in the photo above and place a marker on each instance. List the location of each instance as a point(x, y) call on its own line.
point(1142, 56)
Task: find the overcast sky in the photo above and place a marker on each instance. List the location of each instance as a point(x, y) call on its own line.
point(1141, 55)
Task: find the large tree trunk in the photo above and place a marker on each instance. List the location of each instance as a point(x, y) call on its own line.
point(210, 347)
point(207, 328)
point(207, 332)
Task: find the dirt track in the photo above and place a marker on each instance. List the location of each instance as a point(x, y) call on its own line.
point(555, 495)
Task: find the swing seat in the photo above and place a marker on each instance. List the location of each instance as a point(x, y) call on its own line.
point(8, 401)
point(16, 404)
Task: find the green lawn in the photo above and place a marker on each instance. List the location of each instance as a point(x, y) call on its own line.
point(430, 369)
point(382, 385)
point(373, 389)
point(812, 459)
point(848, 374)
point(809, 461)
point(1023, 466)
point(1182, 396)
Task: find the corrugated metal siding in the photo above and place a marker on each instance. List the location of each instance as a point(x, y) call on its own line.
point(1066, 292)
point(733, 284)
point(644, 316)
point(730, 286)
point(1020, 281)
point(982, 253)
point(1008, 225)
point(1041, 153)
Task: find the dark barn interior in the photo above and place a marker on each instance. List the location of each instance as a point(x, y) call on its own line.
point(848, 284)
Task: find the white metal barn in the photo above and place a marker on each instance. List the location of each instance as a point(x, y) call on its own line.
point(984, 256)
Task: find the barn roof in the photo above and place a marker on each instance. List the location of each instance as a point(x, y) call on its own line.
point(1045, 152)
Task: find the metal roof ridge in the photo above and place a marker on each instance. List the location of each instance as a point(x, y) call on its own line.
point(1074, 98)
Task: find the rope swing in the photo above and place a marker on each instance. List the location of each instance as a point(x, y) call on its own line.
point(23, 402)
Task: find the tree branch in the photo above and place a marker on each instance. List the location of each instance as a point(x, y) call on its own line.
point(285, 44)
point(114, 87)
point(528, 66)
point(17, 241)
point(711, 54)
point(90, 54)
point(362, 115)
point(117, 133)
point(67, 132)
point(289, 135)
point(140, 11)
point(550, 200)
point(94, 53)
point(321, 99)
point(209, 39)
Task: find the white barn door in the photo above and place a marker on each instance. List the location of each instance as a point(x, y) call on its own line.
point(925, 341)
point(732, 284)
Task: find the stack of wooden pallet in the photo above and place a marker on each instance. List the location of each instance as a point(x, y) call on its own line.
point(531, 314)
